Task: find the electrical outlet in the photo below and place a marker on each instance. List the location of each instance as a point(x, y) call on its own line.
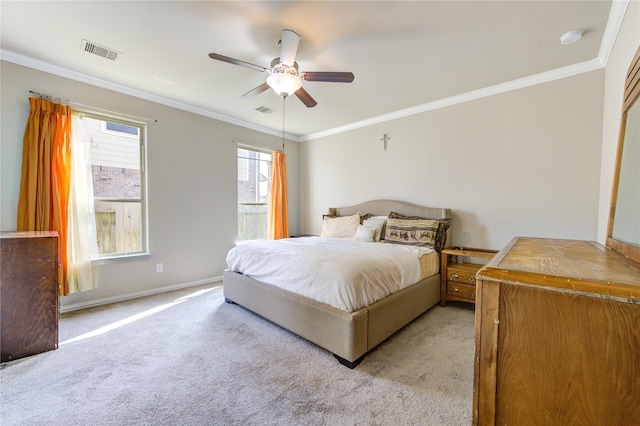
point(159, 267)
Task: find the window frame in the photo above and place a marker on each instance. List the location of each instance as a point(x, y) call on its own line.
point(247, 203)
point(143, 200)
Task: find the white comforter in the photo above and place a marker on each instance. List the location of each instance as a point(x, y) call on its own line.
point(340, 272)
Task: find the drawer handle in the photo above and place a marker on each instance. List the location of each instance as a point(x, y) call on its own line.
point(456, 276)
point(456, 290)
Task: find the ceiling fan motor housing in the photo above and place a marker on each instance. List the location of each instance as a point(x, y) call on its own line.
point(278, 67)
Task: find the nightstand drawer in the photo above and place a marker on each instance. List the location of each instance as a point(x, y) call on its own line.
point(461, 290)
point(458, 278)
point(463, 273)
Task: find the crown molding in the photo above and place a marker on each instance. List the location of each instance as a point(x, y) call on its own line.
point(521, 83)
point(39, 65)
point(616, 16)
point(614, 22)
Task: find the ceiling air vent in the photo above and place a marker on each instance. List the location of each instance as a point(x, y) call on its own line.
point(102, 51)
point(265, 110)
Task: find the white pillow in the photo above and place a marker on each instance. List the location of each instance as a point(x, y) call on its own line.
point(364, 233)
point(377, 223)
point(340, 227)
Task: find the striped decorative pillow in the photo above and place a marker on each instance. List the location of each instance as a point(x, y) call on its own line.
point(420, 232)
point(414, 230)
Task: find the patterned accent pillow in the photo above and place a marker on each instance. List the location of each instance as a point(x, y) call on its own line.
point(365, 217)
point(441, 237)
point(415, 230)
point(362, 218)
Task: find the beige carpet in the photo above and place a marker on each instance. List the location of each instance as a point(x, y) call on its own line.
point(188, 358)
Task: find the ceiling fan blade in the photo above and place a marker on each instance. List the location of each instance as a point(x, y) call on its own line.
point(333, 77)
point(305, 98)
point(237, 62)
point(289, 47)
point(256, 91)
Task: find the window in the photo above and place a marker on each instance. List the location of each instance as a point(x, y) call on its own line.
point(254, 174)
point(119, 185)
point(116, 128)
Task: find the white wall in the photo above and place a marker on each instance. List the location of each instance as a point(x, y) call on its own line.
point(191, 173)
point(626, 45)
point(536, 161)
point(526, 162)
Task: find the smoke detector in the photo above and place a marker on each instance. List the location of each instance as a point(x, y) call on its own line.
point(571, 37)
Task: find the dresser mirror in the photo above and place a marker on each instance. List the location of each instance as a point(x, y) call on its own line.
point(623, 233)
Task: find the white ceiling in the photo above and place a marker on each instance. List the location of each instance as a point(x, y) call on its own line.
point(407, 56)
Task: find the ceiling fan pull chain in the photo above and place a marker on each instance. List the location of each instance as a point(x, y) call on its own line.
point(283, 112)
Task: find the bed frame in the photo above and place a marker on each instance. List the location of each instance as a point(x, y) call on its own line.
point(348, 335)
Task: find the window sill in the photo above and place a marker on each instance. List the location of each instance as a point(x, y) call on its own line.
point(120, 258)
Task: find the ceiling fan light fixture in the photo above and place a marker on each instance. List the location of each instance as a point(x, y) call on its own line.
point(284, 84)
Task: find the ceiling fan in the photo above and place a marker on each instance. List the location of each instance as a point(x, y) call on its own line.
point(284, 76)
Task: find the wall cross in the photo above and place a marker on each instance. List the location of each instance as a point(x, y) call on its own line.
point(385, 138)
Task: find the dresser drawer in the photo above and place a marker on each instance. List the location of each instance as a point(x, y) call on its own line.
point(463, 273)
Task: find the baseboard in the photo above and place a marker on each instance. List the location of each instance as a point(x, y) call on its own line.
point(114, 299)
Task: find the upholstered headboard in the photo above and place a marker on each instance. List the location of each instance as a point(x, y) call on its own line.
point(384, 207)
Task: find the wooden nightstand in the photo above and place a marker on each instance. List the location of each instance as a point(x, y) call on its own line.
point(457, 278)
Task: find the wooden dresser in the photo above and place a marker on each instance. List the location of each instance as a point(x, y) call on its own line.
point(28, 293)
point(557, 336)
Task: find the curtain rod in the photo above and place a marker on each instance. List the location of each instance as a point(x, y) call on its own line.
point(97, 109)
point(257, 148)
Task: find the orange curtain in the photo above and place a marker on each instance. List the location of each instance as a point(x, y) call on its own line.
point(44, 188)
point(278, 207)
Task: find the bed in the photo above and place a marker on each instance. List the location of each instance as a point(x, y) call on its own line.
point(348, 334)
